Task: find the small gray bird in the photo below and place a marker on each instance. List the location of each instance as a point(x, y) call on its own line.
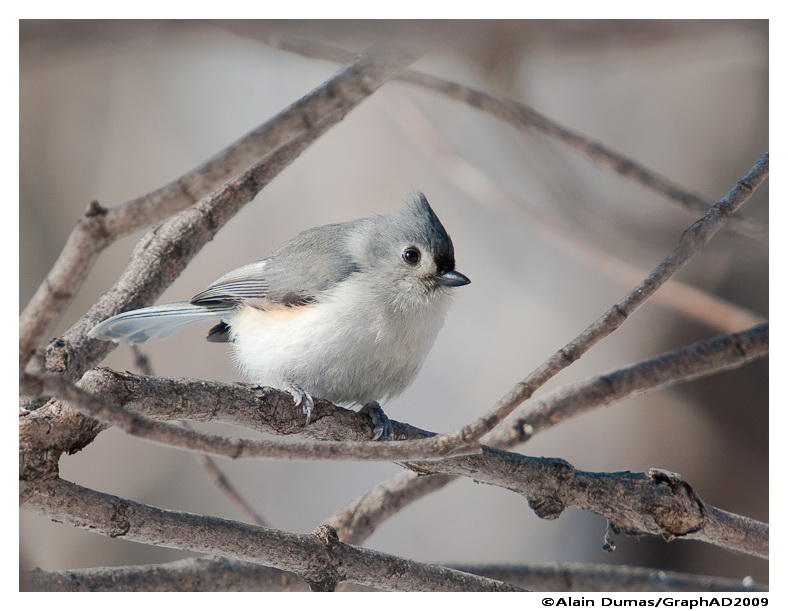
point(345, 312)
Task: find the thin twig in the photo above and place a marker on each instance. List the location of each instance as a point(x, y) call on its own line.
point(690, 362)
point(319, 558)
point(226, 487)
point(524, 117)
point(691, 242)
point(217, 475)
point(217, 574)
point(99, 227)
point(695, 303)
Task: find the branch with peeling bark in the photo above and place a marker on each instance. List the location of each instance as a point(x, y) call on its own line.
point(319, 558)
point(217, 574)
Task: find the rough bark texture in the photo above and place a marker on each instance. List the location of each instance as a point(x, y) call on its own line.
point(217, 574)
point(638, 503)
point(319, 558)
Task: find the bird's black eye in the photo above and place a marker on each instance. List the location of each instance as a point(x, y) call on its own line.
point(411, 255)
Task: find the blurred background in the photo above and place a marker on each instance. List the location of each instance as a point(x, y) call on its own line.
point(113, 109)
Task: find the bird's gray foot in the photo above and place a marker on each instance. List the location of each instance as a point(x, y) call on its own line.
point(302, 399)
point(381, 425)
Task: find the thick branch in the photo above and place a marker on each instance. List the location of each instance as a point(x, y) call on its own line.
point(99, 227)
point(361, 517)
point(319, 558)
point(138, 425)
point(640, 503)
point(216, 574)
point(551, 577)
point(203, 574)
point(524, 117)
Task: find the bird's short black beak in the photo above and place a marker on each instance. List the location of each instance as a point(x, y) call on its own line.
point(452, 278)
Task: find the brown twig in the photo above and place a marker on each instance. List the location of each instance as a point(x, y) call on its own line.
point(99, 227)
point(319, 558)
point(524, 117)
point(217, 574)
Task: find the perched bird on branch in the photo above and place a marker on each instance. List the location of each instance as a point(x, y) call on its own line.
point(345, 312)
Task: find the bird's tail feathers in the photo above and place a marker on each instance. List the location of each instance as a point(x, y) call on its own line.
point(137, 326)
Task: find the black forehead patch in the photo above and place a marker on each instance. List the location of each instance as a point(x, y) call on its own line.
point(430, 231)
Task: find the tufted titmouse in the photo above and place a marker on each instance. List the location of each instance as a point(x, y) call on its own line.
point(345, 312)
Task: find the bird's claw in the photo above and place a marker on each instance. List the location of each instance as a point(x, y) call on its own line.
point(381, 425)
point(302, 399)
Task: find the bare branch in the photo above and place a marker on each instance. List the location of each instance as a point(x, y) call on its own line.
point(357, 520)
point(203, 574)
point(551, 577)
point(216, 574)
point(319, 558)
point(690, 362)
point(361, 517)
point(635, 502)
point(691, 242)
point(138, 425)
point(692, 302)
point(99, 227)
point(524, 117)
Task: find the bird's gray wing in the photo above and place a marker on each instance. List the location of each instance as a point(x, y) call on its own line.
point(298, 272)
point(245, 282)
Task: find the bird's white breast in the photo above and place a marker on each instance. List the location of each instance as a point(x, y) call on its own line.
point(351, 347)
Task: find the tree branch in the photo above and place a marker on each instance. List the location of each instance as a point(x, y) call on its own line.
point(361, 517)
point(690, 301)
point(141, 426)
point(319, 558)
point(691, 242)
point(226, 487)
point(217, 574)
point(163, 253)
point(524, 117)
point(703, 358)
point(99, 227)
point(635, 502)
